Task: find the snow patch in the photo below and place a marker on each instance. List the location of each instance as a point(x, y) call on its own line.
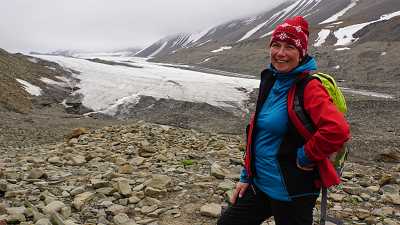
point(231, 25)
point(345, 34)
point(158, 50)
point(30, 88)
point(64, 103)
point(53, 82)
point(322, 35)
point(267, 34)
point(221, 49)
point(34, 60)
point(128, 100)
point(367, 93)
point(207, 59)
point(340, 13)
point(252, 31)
point(383, 53)
point(342, 49)
point(337, 23)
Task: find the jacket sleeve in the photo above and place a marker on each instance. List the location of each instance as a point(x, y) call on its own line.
point(332, 129)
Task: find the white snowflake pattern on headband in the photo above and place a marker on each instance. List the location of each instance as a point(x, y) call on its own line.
point(283, 36)
point(298, 29)
point(298, 43)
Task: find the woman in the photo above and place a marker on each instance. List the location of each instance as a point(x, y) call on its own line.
point(282, 173)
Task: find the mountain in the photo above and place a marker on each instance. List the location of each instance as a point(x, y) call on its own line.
point(27, 82)
point(250, 28)
point(348, 37)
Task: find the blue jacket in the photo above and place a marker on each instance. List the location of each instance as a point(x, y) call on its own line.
point(271, 126)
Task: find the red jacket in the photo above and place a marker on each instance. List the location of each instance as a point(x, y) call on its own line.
point(332, 130)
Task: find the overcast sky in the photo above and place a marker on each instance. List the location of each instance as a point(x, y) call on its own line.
point(101, 25)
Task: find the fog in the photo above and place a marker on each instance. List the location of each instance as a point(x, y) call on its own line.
point(103, 25)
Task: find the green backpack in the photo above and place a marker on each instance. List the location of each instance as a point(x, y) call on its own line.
point(338, 159)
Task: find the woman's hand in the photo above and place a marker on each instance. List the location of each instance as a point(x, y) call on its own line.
point(239, 191)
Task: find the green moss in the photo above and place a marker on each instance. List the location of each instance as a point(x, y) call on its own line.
point(187, 162)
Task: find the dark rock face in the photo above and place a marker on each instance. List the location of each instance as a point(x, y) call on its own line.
point(73, 104)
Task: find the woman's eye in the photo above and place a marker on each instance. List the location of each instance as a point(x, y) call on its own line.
point(291, 47)
point(274, 45)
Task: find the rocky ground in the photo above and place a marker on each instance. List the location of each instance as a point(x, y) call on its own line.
point(143, 173)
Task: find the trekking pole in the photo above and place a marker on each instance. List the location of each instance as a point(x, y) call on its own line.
point(324, 204)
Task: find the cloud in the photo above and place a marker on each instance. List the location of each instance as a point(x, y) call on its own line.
point(45, 25)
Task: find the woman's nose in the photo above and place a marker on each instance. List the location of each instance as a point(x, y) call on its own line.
point(281, 51)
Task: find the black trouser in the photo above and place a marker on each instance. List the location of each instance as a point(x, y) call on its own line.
point(254, 208)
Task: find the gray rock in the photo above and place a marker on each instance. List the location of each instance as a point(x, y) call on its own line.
point(78, 160)
point(337, 197)
point(116, 209)
point(15, 218)
point(37, 173)
point(158, 181)
point(77, 191)
point(226, 185)
point(148, 209)
point(154, 192)
point(55, 160)
point(3, 185)
point(43, 221)
point(146, 221)
point(390, 189)
point(81, 199)
point(98, 183)
point(16, 210)
point(133, 200)
point(3, 209)
point(391, 198)
point(123, 187)
point(126, 169)
point(211, 210)
point(121, 219)
point(106, 191)
point(217, 171)
point(353, 190)
point(56, 219)
point(138, 161)
point(70, 222)
point(55, 206)
point(362, 213)
point(388, 221)
point(383, 212)
point(66, 212)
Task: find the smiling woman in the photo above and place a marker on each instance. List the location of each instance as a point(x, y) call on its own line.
point(282, 174)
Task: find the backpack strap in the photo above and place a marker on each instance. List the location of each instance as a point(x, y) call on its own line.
point(298, 103)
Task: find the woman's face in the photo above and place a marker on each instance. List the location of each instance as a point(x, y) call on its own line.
point(284, 57)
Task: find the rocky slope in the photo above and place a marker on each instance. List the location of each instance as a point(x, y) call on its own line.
point(13, 95)
point(150, 174)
